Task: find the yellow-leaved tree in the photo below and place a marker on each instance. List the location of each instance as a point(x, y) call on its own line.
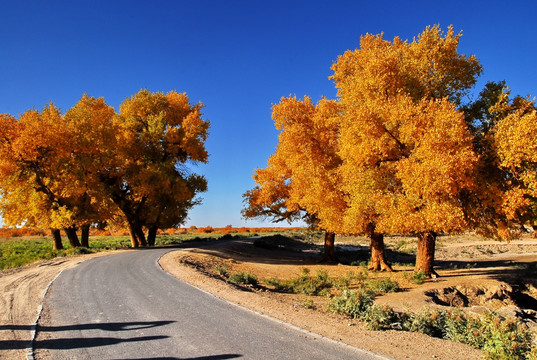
point(34, 176)
point(91, 165)
point(147, 177)
point(516, 147)
point(301, 178)
point(407, 155)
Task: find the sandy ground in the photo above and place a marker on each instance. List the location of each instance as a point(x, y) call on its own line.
point(22, 290)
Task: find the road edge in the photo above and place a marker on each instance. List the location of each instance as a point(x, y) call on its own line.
point(33, 328)
point(292, 326)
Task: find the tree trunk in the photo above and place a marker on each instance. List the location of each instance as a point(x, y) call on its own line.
point(152, 235)
point(135, 229)
point(136, 233)
point(329, 246)
point(56, 239)
point(72, 236)
point(378, 259)
point(376, 243)
point(425, 255)
point(84, 237)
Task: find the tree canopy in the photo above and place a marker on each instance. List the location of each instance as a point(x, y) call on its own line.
point(394, 153)
point(92, 164)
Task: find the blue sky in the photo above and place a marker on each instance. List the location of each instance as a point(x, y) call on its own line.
point(237, 57)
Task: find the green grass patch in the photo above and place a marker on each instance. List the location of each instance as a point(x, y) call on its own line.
point(243, 278)
point(323, 284)
point(417, 277)
point(20, 251)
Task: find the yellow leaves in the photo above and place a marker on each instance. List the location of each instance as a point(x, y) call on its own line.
point(516, 147)
point(515, 203)
point(429, 66)
point(516, 140)
point(72, 167)
point(405, 150)
point(393, 151)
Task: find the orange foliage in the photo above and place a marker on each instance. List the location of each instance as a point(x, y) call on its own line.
point(10, 232)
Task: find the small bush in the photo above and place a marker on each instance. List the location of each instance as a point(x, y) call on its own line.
point(308, 304)
point(345, 281)
point(304, 283)
point(505, 339)
point(242, 278)
point(221, 270)
point(427, 322)
point(417, 277)
point(353, 303)
point(382, 318)
point(383, 285)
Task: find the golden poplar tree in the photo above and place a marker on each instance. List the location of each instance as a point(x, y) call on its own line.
point(406, 152)
point(516, 146)
point(33, 173)
point(91, 164)
point(157, 134)
point(301, 176)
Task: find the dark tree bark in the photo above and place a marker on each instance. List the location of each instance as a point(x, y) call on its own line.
point(329, 246)
point(378, 258)
point(56, 239)
point(72, 236)
point(84, 237)
point(425, 255)
point(136, 233)
point(152, 235)
point(135, 228)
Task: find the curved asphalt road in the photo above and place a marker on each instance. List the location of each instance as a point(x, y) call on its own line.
point(125, 306)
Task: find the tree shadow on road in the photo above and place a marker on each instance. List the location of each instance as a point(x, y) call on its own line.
point(76, 343)
point(117, 326)
point(210, 357)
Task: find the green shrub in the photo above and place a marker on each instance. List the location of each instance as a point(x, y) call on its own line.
point(427, 322)
point(383, 285)
point(276, 283)
point(308, 304)
point(221, 270)
point(501, 339)
point(304, 283)
point(505, 338)
point(417, 277)
point(382, 318)
point(353, 303)
point(345, 281)
point(242, 278)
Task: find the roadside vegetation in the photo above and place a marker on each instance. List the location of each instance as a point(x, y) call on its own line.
point(19, 247)
point(500, 338)
point(352, 294)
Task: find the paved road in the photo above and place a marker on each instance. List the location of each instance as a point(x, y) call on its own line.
point(125, 306)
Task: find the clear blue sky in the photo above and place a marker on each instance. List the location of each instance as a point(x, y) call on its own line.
point(237, 57)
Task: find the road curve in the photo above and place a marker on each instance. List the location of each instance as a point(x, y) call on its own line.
point(124, 306)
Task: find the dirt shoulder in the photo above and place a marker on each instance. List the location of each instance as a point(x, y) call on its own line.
point(197, 267)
